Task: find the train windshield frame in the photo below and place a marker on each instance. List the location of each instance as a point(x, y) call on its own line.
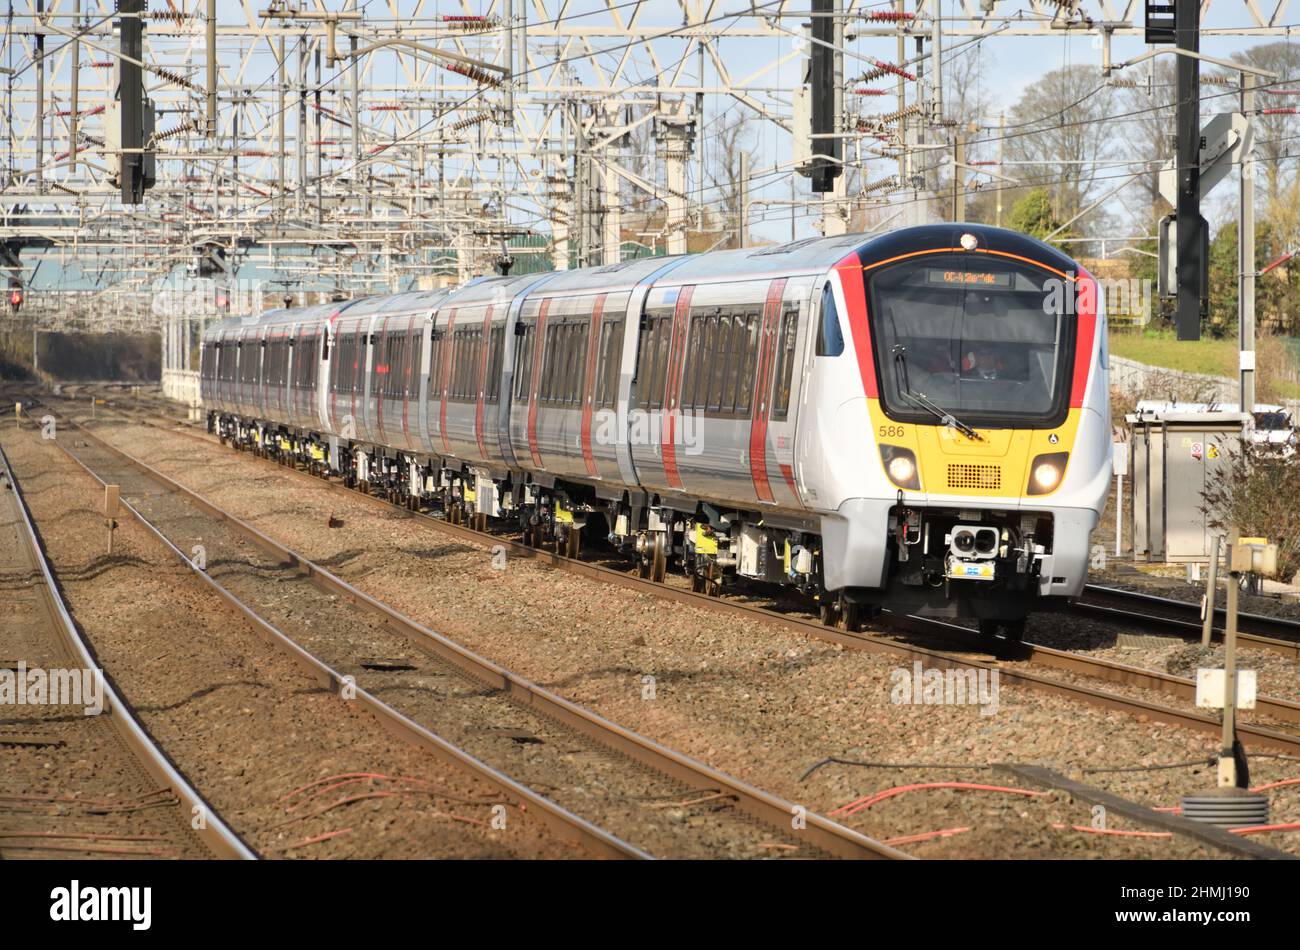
point(989, 339)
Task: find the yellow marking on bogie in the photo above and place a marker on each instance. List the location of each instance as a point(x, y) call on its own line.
point(705, 542)
point(562, 516)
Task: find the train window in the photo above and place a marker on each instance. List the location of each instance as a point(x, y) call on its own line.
point(466, 371)
point(497, 345)
point(711, 383)
point(656, 335)
point(436, 354)
point(735, 361)
point(304, 367)
point(747, 331)
point(337, 365)
point(830, 338)
point(577, 380)
point(356, 359)
point(692, 372)
point(611, 352)
point(524, 362)
point(414, 360)
point(989, 341)
point(785, 360)
point(385, 367)
point(549, 359)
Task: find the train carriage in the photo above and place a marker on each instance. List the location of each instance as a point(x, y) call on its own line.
point(916, 420)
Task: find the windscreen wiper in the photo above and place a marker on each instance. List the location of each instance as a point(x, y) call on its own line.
point(924, 402)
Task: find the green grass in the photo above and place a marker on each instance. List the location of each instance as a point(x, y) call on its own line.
point(1212, 357)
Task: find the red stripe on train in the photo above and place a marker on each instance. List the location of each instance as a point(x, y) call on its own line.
point(1086, 307)
point(855, 301)
point(589, 389)
point(672, 385)
point(761, 408)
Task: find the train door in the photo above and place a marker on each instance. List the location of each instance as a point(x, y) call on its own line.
point(778, 388)
point(428, 381)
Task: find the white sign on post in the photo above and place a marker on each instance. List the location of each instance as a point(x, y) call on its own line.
point(1210, 689)
point(1119, 459)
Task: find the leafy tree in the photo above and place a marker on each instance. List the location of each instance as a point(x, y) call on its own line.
point(1033, 215)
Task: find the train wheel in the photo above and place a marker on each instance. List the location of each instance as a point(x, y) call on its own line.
point(697, 584)
point(573, 538)
point(850, 616)
point(826, 611)
point(1014, 630)
point(659, 567)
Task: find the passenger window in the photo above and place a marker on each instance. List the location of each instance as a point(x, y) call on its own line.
point(830, 340)
point(785, 360)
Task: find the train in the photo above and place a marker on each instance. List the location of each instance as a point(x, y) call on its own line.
point(916, 420)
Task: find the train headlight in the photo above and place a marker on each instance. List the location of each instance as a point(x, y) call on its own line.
point(900, 465)
point(1045, 473)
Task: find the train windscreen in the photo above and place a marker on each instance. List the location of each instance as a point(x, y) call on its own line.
point(987, 339)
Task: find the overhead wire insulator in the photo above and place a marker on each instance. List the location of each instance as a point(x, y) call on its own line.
point(174, 78)
point(471, 24)
point(887, 183)
point(480, 76)
point(891, 69)
point(1290, 111)
point(482, 115)
point(870, 92)
point(888, 16)
point(897, 114)
point(185, 126)
point(175, 16)
point(83, 112)
point(386, 108)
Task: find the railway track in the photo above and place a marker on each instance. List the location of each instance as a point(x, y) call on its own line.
point(1253, 735)
point(1275, 634)
point(134, 778)
point(493, 712)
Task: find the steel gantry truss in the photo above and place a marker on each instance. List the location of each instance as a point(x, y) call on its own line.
point(338, 147)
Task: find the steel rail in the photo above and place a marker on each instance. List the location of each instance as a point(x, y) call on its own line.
point(215, 834)
point(1276, 634)
point(817, 830)
point(1252, 735)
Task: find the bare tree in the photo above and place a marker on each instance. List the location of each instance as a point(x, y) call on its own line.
point(727, 141)
point(1275, 134)
point(1056, 130)
point(1148, 114)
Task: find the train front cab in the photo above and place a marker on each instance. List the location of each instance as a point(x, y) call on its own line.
point(959, 435)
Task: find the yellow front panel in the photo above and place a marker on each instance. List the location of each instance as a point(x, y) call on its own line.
point(995, 466)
